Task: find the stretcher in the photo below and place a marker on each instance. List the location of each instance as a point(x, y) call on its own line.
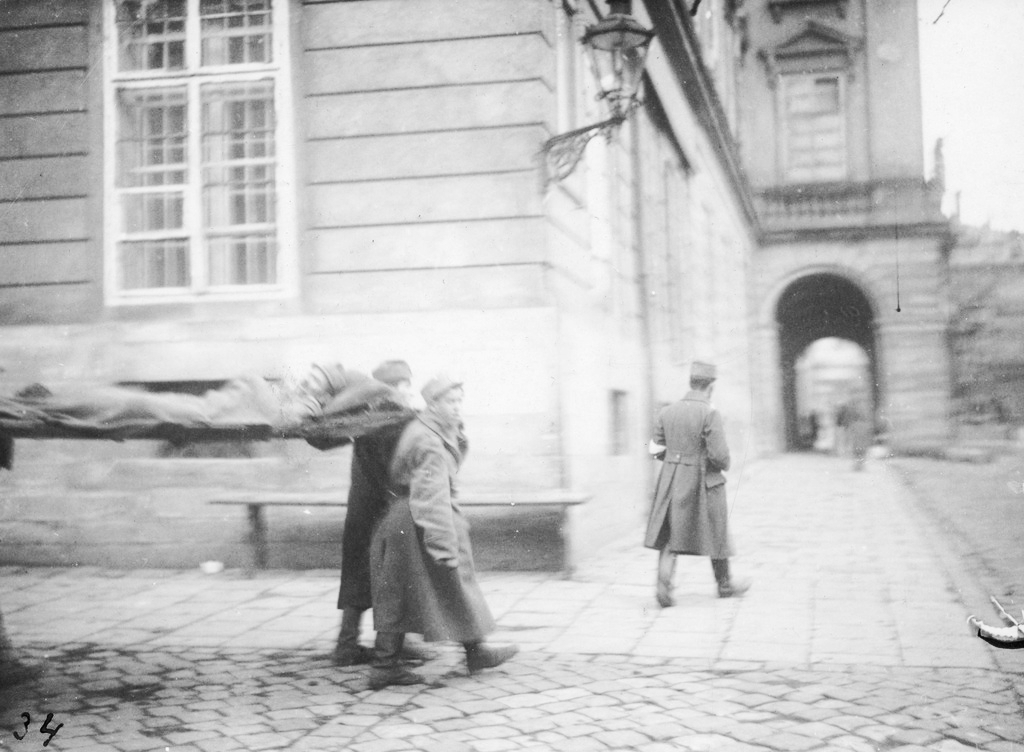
point(244, 409)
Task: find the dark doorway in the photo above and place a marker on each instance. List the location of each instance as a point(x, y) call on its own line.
point(817, 307)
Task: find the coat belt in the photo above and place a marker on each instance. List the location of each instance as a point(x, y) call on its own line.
point(678, 458)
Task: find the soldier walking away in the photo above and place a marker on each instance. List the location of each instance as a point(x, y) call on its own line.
point(422, 571)
point(689, 515)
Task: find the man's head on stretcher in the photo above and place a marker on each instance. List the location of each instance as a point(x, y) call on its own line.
point(321, 383)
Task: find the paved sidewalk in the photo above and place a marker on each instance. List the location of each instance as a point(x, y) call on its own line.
point(854, 637)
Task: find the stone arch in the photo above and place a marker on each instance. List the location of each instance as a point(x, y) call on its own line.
point(815, 305)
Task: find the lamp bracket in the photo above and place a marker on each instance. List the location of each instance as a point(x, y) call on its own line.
point(563, 152)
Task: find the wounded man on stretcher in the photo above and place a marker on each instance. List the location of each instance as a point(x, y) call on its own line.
point(329, 403)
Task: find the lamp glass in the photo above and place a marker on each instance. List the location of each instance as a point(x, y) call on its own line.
point(617, 46)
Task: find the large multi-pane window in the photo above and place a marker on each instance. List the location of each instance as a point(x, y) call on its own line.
point(814, 129)
point(194, 91)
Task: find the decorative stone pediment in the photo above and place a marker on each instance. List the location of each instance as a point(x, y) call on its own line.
point(779, 8)
point(815, 47)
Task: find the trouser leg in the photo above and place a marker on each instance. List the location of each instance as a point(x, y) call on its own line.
point(387, 662)
point(348, 651)
point(387, 649)
point(727, 587)
point(666, 572)
point(721, 569)
point(350, 619)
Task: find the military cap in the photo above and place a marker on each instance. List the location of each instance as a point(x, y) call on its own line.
point(701, 370)
point(438, 386)
point(392, 372)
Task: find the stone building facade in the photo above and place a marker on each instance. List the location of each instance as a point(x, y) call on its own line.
point(853, 243)
point(986, 284)
point(192, 189)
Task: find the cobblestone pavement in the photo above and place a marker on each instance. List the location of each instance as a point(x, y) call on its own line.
point(951, 492)
point(854, 637)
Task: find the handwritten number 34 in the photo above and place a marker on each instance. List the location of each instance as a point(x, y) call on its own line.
point(44, 729)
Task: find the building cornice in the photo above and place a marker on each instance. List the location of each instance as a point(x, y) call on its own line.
point(903, 231)
point(675, 34)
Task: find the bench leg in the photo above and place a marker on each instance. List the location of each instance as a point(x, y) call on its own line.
point(564, 532)
point(258, 535)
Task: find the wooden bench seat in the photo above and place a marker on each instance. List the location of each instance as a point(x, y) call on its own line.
point(559, 500)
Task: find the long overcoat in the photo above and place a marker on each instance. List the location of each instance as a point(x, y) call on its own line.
point(367, 502)
point(689, 513)
point(422, 571)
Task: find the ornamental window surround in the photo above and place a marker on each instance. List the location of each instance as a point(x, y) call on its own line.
point(813, 127)
point(810, 73)
point(197, 150)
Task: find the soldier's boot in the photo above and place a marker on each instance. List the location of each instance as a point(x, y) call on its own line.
point(666, 573)
point(727, 586)
point(415, 652)
point(480, 655)
point(348, 651)
point(387, 668)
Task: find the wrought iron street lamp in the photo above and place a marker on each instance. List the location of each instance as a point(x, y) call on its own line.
point(617, 46)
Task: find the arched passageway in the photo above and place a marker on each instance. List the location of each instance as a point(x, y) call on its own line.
point(829, 373)
point(813, 308)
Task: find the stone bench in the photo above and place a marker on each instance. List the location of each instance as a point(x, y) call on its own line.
point(560, 500)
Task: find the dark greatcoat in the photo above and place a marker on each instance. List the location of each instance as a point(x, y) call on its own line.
point(367, 502)
point(422, 569)
point(689, 514)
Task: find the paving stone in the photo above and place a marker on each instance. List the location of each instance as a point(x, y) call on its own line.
point(219, 745)
point(657, 747)
point(851, 744)
point(432, 744)
point(711, 743)
point(788, 742)
point(455, 724)
point(973, 736)
point(817, 730)
point(745, 732)
point(952, 745)
point(380, 745)
point(1009, 728)
point(491, 732)
point(493, 745)
point(187, 737)
point(575, 732)
point(753, 716)
point(915, 736)
point(624, 739)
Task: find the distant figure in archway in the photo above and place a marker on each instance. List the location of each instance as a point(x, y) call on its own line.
point(857, 427)
point(861, 430)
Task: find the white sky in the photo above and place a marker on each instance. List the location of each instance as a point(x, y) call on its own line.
point(972, 76)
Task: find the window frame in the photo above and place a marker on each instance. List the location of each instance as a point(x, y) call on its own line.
point(786, 80)
point(192, 78)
